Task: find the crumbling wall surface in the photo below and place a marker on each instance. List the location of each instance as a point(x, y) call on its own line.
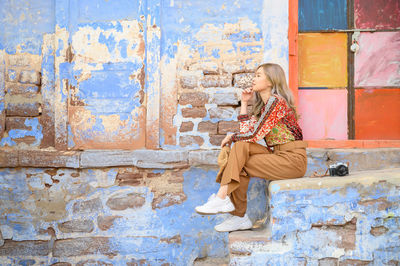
point(112, 216)
point(331, 221)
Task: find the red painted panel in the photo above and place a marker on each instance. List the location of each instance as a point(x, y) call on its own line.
point(377, 14)
point(377, 113)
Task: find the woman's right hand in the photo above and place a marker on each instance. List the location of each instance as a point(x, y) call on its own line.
point(246, 95)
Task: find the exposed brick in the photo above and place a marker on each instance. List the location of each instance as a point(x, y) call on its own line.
point(132, 200)
point(106, 222)
point(12, 75)
point(225, 99)
point(168, 199)
point(129, 179)
point(223, 113)
point(25, 248)
point(328, 262)
point(224, 80)
point(380, 203)
point(193, 98)
point(195, 112)
point(16, 123)
point(23, 109)
point(243, 80)
point(15, 88)
point(134, 262)
point(153, 175)
point(26, 139)
point(379, 230)
point(189, 81)
point(190, 140)
point(354, 262)
point(186, 126)
point(61, 264)
point(76, 226)
point(82, 246)
point(228, 126)
point(176, 177)
point(88, 206)
point(207, 126)
point(216, 139)
point(29, 77)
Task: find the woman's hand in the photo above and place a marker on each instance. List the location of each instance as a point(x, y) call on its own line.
point(247, 94)
point(227, 140)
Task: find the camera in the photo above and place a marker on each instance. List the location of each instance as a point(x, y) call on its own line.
point(339, 169)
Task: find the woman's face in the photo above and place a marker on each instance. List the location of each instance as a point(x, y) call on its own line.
point(260, 81)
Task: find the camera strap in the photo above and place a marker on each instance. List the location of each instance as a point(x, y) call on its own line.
point(315, 174)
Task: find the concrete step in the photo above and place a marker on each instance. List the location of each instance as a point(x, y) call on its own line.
point(351, 220)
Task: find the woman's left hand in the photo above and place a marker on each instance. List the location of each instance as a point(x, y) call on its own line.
point(227, 140)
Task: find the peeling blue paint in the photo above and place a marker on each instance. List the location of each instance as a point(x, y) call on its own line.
point(35, 131)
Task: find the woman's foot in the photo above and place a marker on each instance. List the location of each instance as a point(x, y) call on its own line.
point(216, 205)
point(234, 223)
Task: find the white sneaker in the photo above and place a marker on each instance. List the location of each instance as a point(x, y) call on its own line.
point(216, 205)
point(234, 223)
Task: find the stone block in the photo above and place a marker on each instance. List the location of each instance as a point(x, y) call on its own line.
point(243, 80)
point(224, 80)
point(76, 226)
point(233, 66)
point(8, 158)
point(225, 98)
point(206, 67)
point(366, 159)
point(216, 140)
point(19, 60)
point(16, 88)
point(188, 140)
point(225, 127)
point(16, 123)
point(207, 157)
point(88, 206)
point(160, 159)
point(29, 77)
point(223, 113)
point(12, 75)
point(106, 222)
point(195, 112)
point(82, 246)
point(129, 201)
point(25, 248)
point(104, 158)
point(41, 158)
point(168, 199)
point(24, 109)
point(129, 179)
point(207, 126)
point(186, 126)
point(194, 98)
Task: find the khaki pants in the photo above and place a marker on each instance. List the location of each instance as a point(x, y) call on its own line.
point(254, 160)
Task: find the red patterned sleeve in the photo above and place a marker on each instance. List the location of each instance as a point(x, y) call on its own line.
point(246, 123)
point(274, 110)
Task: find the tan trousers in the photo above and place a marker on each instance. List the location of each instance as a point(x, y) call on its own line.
point(254, 160)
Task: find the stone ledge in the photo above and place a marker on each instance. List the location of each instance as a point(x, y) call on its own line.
point(318, 159)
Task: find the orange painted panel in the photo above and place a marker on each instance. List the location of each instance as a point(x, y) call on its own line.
point(377, 113)
point(323, 60)
point(323, 114)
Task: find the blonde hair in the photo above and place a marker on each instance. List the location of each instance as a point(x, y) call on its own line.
point(276, 76)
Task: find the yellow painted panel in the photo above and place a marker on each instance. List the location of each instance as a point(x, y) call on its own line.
point(323, 60)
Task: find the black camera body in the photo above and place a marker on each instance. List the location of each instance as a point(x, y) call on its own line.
point(338, 169)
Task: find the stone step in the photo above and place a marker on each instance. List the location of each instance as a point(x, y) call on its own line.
point(352, 220)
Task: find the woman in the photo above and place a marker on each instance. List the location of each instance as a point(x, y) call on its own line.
point(274, 121)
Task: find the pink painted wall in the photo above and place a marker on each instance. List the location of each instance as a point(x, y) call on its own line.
point(377, 63)
point(323, 114)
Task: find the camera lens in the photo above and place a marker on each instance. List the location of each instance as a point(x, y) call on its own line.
point(342, 170)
